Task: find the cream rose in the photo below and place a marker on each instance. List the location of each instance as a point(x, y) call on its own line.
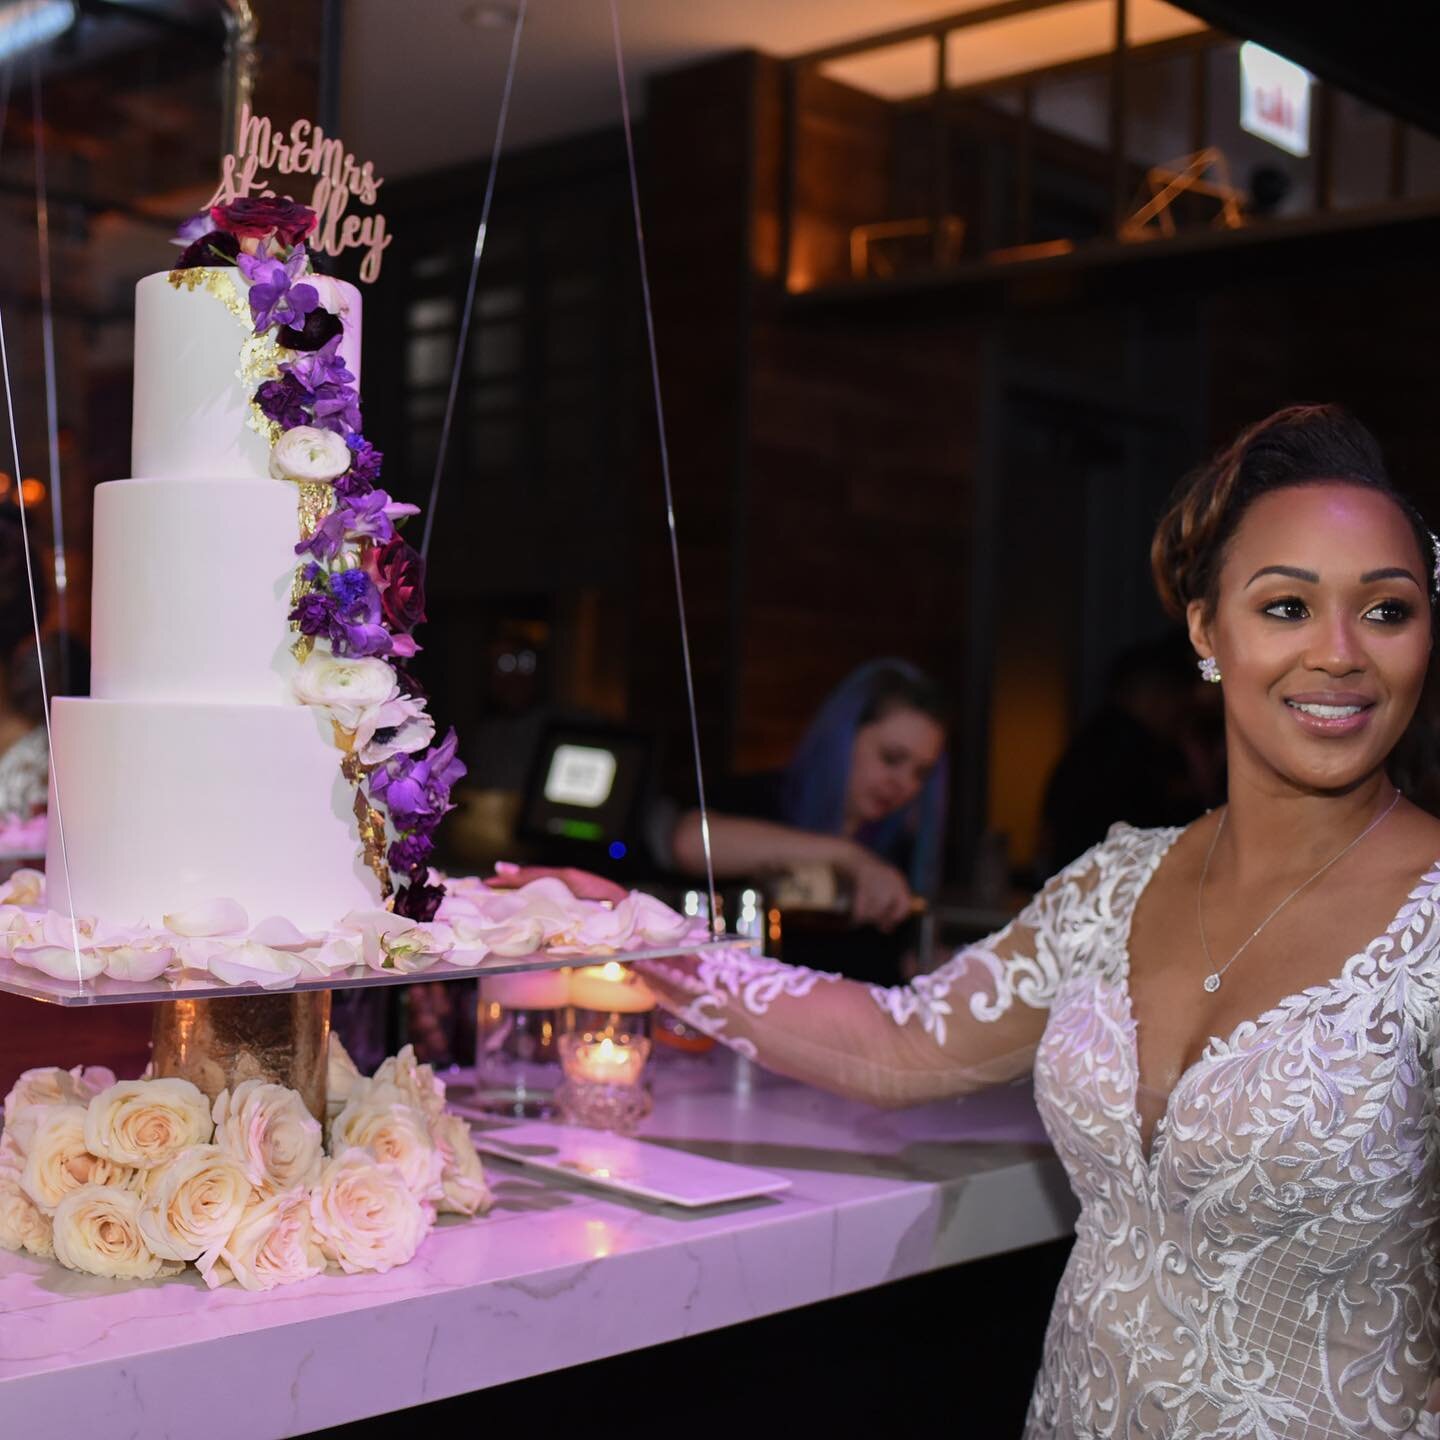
point(365, 1215)
point(346, 688)
point(57, 1162)
point(193, 1204)
point(274, 1244)
point(36, 1089)
point(417, 1084)
point(394, 1132)
point(24, 887)
point(97, 1230)
point(462, 1177)
point(269, 1132)
point(310, 455)
point(147, 1122)
point(22, 1226)
point(341, 1080)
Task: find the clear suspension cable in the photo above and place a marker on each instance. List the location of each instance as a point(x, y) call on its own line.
point(469, 306)
point(52, 412)
point(665, 466)
point(58, 819)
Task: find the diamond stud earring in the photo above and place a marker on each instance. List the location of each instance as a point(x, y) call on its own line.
point(1210, 670)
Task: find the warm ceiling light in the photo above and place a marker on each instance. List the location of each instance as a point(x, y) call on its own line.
point(32, 491)
point(25, 24)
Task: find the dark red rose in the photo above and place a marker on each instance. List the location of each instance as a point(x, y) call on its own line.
point(399, 574)
point(216, 248)
point(257, 217)
point(320, 326)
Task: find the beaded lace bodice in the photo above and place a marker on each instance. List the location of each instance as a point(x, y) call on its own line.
point(1267, 1268)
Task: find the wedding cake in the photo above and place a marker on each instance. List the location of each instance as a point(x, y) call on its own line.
point(194, 771)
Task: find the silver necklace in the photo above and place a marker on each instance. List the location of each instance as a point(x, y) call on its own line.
point(1212, 980)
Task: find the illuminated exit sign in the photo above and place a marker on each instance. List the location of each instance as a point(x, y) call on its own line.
point(1275, 98)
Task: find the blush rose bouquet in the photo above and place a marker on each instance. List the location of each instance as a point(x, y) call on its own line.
point(136, 1179)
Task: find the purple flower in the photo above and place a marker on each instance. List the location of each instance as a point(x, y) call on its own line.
point(275, 298)
point(337, 408)
point(325, 366)
point(358, 517)
point(314, 614)
point(416, 789)
point(419, 901)
point(354, 589)
point(366, 464)
point(286, 401)
point(411, 851)
point(364, 469)
point(192, 229)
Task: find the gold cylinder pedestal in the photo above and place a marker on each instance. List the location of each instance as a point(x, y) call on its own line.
point(216, 1044)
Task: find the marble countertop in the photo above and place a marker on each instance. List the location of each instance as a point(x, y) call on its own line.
point(558, 1274)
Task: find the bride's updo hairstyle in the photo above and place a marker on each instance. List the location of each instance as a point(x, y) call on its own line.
point(1300, 445)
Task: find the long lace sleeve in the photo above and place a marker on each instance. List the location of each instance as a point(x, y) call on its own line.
point(975, 1021)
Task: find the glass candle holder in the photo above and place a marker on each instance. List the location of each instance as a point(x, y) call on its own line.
point(520, 1022)
point(604, 1085)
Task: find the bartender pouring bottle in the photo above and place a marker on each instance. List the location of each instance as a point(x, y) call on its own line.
point(862, 800)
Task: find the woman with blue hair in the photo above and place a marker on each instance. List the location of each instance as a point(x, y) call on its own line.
point(863, 794)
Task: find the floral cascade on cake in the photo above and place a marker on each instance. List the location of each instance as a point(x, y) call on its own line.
point(474, 923)
point(360, 588)
point(139, 1178)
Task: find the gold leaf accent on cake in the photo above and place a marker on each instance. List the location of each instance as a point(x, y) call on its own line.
point(317, 500)
point(371, 824)
point(219, 281)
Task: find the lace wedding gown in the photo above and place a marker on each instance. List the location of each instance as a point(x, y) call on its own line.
point(1267, 1267)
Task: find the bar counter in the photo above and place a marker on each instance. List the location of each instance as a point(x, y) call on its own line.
point(557, 1275)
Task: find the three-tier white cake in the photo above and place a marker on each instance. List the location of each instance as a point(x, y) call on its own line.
point(192, 773)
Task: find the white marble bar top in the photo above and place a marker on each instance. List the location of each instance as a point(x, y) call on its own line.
point(558, 1274)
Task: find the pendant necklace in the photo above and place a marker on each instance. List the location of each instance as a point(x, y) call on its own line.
point(1212, 980)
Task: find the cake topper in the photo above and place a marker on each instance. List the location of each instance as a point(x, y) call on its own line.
point(264, 150)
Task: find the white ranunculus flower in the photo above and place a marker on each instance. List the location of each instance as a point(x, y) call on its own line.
point(274, 1244)
point(365, 1215)
point(22, 1226)
point(193, 1204)
point(347, 688)
point(97, 1230)
point(57, 1162)
point(418, 1084)
point(463, 1177)
point(309, 454)
point(269, 1132)
point(342, 1078)
point(36, 1089)
point(147, 1122)
point(383, 1123)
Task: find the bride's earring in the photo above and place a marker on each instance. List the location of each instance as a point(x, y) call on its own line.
point(1210, 670)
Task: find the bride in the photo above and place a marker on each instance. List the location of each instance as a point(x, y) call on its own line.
point(1232, 1027)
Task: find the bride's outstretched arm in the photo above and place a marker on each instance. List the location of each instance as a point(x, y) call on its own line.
point(973, 1022)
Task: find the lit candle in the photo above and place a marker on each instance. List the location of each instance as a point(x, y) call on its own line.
point(528, 990)
point(603, 1062)
point(611, 988)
